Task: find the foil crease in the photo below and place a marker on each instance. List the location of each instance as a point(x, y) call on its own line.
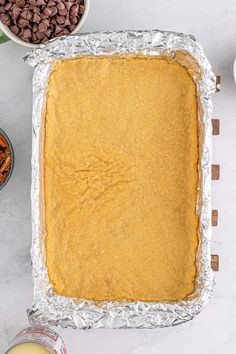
point(48, 307)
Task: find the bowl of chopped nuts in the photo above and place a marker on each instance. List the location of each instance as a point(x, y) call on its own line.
point(33, 22)
point(6, 159)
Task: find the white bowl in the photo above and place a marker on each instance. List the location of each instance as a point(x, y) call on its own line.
point(18, 40)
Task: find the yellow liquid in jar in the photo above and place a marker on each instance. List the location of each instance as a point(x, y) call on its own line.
point(28, 348)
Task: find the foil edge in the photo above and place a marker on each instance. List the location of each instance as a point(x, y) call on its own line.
point(52, 309)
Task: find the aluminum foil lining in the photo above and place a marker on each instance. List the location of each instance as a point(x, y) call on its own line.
point(48, 307)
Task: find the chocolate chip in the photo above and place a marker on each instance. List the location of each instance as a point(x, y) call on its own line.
point(16, 11)
point(48, 33)
point(58, 29)
point(2, 9)
point(35, 28)
point(74, 9)
point(60, 20)
point(63, 12)
point(47, 21)
point(45, 39)
point(74, 20)
point(8, 6)
point(32, 2)
point(53, 21)
point(20, 3)
point(72, 28)
point(30, 25)
point(54, 11)
point(36, 10)
point(34, 37)
point(27, 33)
point(67, 23)
point(41, 3)
point(14, 6)
point(2, 2)
point(65, 32)
point(15, 30)
point(51, 3)
point(36, 18)
point(26, 39)
point(24, 14)
point(61, 6)
point(47, 11)
point(29, 15)
point(23, 23)
point(5, 19)
point(81, 9)
point(40, 35)
point(68, 5)
point(43, 17)
point(43, 27)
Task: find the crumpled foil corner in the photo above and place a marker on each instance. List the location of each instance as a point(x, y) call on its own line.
point(48, 307)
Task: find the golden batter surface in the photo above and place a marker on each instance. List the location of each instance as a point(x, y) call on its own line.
point(121, 154)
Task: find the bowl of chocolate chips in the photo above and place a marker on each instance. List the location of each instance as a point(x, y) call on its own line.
point(6, 159)
point(33, 22)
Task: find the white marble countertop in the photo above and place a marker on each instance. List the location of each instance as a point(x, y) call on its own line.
point(214, 330)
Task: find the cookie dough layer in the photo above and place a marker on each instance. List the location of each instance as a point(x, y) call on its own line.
point(121, 154)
